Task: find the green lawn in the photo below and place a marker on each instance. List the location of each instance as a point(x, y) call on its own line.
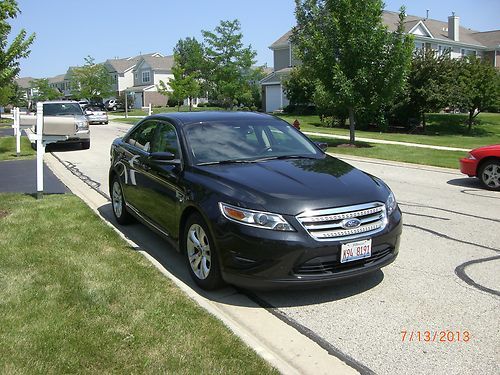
point(75, 298)
point(442, 130)
point(8, 149)
point(139, 112)
point(4, 121)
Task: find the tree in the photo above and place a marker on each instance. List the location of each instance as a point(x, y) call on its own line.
point(189, 63)
point(19, 48)
point(43, 91)
point(299, 87)
point(18, 97)
point(347, 48)
point(228, 63)
point(91, 81)
point(478, 84)
point(429, 86)
point(5, 95)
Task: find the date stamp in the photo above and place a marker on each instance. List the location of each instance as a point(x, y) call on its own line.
point(439, 336)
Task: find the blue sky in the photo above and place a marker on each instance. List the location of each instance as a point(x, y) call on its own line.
point(68, 30)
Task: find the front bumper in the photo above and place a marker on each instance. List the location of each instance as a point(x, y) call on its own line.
point(95, 119)
point(468, 166)
point(255, 258)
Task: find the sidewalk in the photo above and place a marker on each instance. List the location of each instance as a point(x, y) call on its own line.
point(371, 140)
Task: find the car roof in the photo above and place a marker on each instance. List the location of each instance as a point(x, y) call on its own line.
point(186, 118)
point(59, 102)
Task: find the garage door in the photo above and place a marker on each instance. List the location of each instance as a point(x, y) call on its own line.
point(273, 98)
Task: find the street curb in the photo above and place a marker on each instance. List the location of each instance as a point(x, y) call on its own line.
point(280, 344)
point(398, 163)
point(388, 142)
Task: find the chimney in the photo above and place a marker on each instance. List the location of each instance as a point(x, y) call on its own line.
point(454, 27)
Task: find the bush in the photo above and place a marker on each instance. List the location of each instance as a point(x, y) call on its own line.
point(300, 109)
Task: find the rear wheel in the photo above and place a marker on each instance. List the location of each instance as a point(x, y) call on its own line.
point(118, 202)
point(85, 145)
point(201, 254)
point(489, 174)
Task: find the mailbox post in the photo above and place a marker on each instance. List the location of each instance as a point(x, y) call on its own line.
point(40, 150)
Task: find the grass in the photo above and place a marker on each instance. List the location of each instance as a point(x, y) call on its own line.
point(139, 112)
point(8, 149)
point(80, 300)
point(415, 155)
point(4, 121)
point(442, 130)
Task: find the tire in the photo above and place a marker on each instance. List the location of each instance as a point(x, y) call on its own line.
point(33, 146)
point(114, 108)
point(118, 205)
point(489, 174)
point(85, 145)
point(201, 254)
point(105, 122)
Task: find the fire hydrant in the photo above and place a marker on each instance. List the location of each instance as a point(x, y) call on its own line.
point(296, 124)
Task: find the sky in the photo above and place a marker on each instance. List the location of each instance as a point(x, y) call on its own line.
point(67, 30)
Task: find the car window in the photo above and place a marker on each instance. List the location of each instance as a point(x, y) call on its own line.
point(143, 136)
point(62, 109)
point(166, 139)
point(242, 140)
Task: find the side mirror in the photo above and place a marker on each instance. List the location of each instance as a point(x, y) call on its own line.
point(322, 145)
point(162, 156)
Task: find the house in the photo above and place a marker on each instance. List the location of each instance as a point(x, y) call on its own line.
point(25, 84)
point(122, 71)
point(428, 33)
point(147, 73)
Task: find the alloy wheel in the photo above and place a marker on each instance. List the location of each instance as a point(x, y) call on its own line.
point(491, 176)
point(198, 251)
point(117, 199)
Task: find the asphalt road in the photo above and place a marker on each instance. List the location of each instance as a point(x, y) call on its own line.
point(443, 290)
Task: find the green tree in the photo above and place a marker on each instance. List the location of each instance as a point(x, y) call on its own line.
point(18, 48)
point(18, 97)
point(300, 87)
point(5, 95)
point(189, 64)
point(477, 83)
point(228, 63)
point(347, 48)
point(429, 88)
point(43, 91)
point(91, 81)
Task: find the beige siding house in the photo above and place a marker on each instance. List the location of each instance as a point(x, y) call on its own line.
point(147, 74)
point(428, 33)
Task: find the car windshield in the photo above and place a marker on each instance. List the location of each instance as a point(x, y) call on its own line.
point(246, 141)
point(62, 109)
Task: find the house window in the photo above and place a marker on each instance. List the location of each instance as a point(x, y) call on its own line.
point(145, 76)
point(440, 50)
point(462, 52)
point(135, 76)
point(115, 78)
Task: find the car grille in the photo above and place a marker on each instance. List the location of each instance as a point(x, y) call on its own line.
point(329, 224)
point(325, 266)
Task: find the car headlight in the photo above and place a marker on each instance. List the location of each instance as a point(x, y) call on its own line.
point(391, 203)
point(82, 124)
point(470, 157)
point(259, 219)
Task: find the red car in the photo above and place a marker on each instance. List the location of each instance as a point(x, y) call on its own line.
point(483, 163)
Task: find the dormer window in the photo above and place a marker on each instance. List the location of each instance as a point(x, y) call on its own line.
point(146, 76)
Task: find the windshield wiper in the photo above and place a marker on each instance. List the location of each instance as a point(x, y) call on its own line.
point(284, 157)
point(235, 161)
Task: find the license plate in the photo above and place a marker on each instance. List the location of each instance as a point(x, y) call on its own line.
point(356, 250)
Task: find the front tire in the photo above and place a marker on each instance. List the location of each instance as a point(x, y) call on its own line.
point(120, 212)
point(201, 254)
point(489, 174)
point(85, 145)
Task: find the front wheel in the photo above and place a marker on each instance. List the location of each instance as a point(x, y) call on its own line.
point(85, 145)
point(489, 174)
point(118, 202)
point(201, 254)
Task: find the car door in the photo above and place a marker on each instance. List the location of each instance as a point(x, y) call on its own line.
point(161, 189)
point(136, 151)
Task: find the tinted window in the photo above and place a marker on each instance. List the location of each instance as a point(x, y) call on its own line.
point(62, 109)
point(242, 140)
point(143, 136)
point(166, 140)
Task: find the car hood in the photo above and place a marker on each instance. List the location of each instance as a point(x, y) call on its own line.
point(493, 149)
point(293, 186)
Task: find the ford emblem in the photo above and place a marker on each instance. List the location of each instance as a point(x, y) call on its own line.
point(350, 223)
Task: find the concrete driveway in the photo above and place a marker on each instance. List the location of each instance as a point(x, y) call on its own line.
point(443, 290)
